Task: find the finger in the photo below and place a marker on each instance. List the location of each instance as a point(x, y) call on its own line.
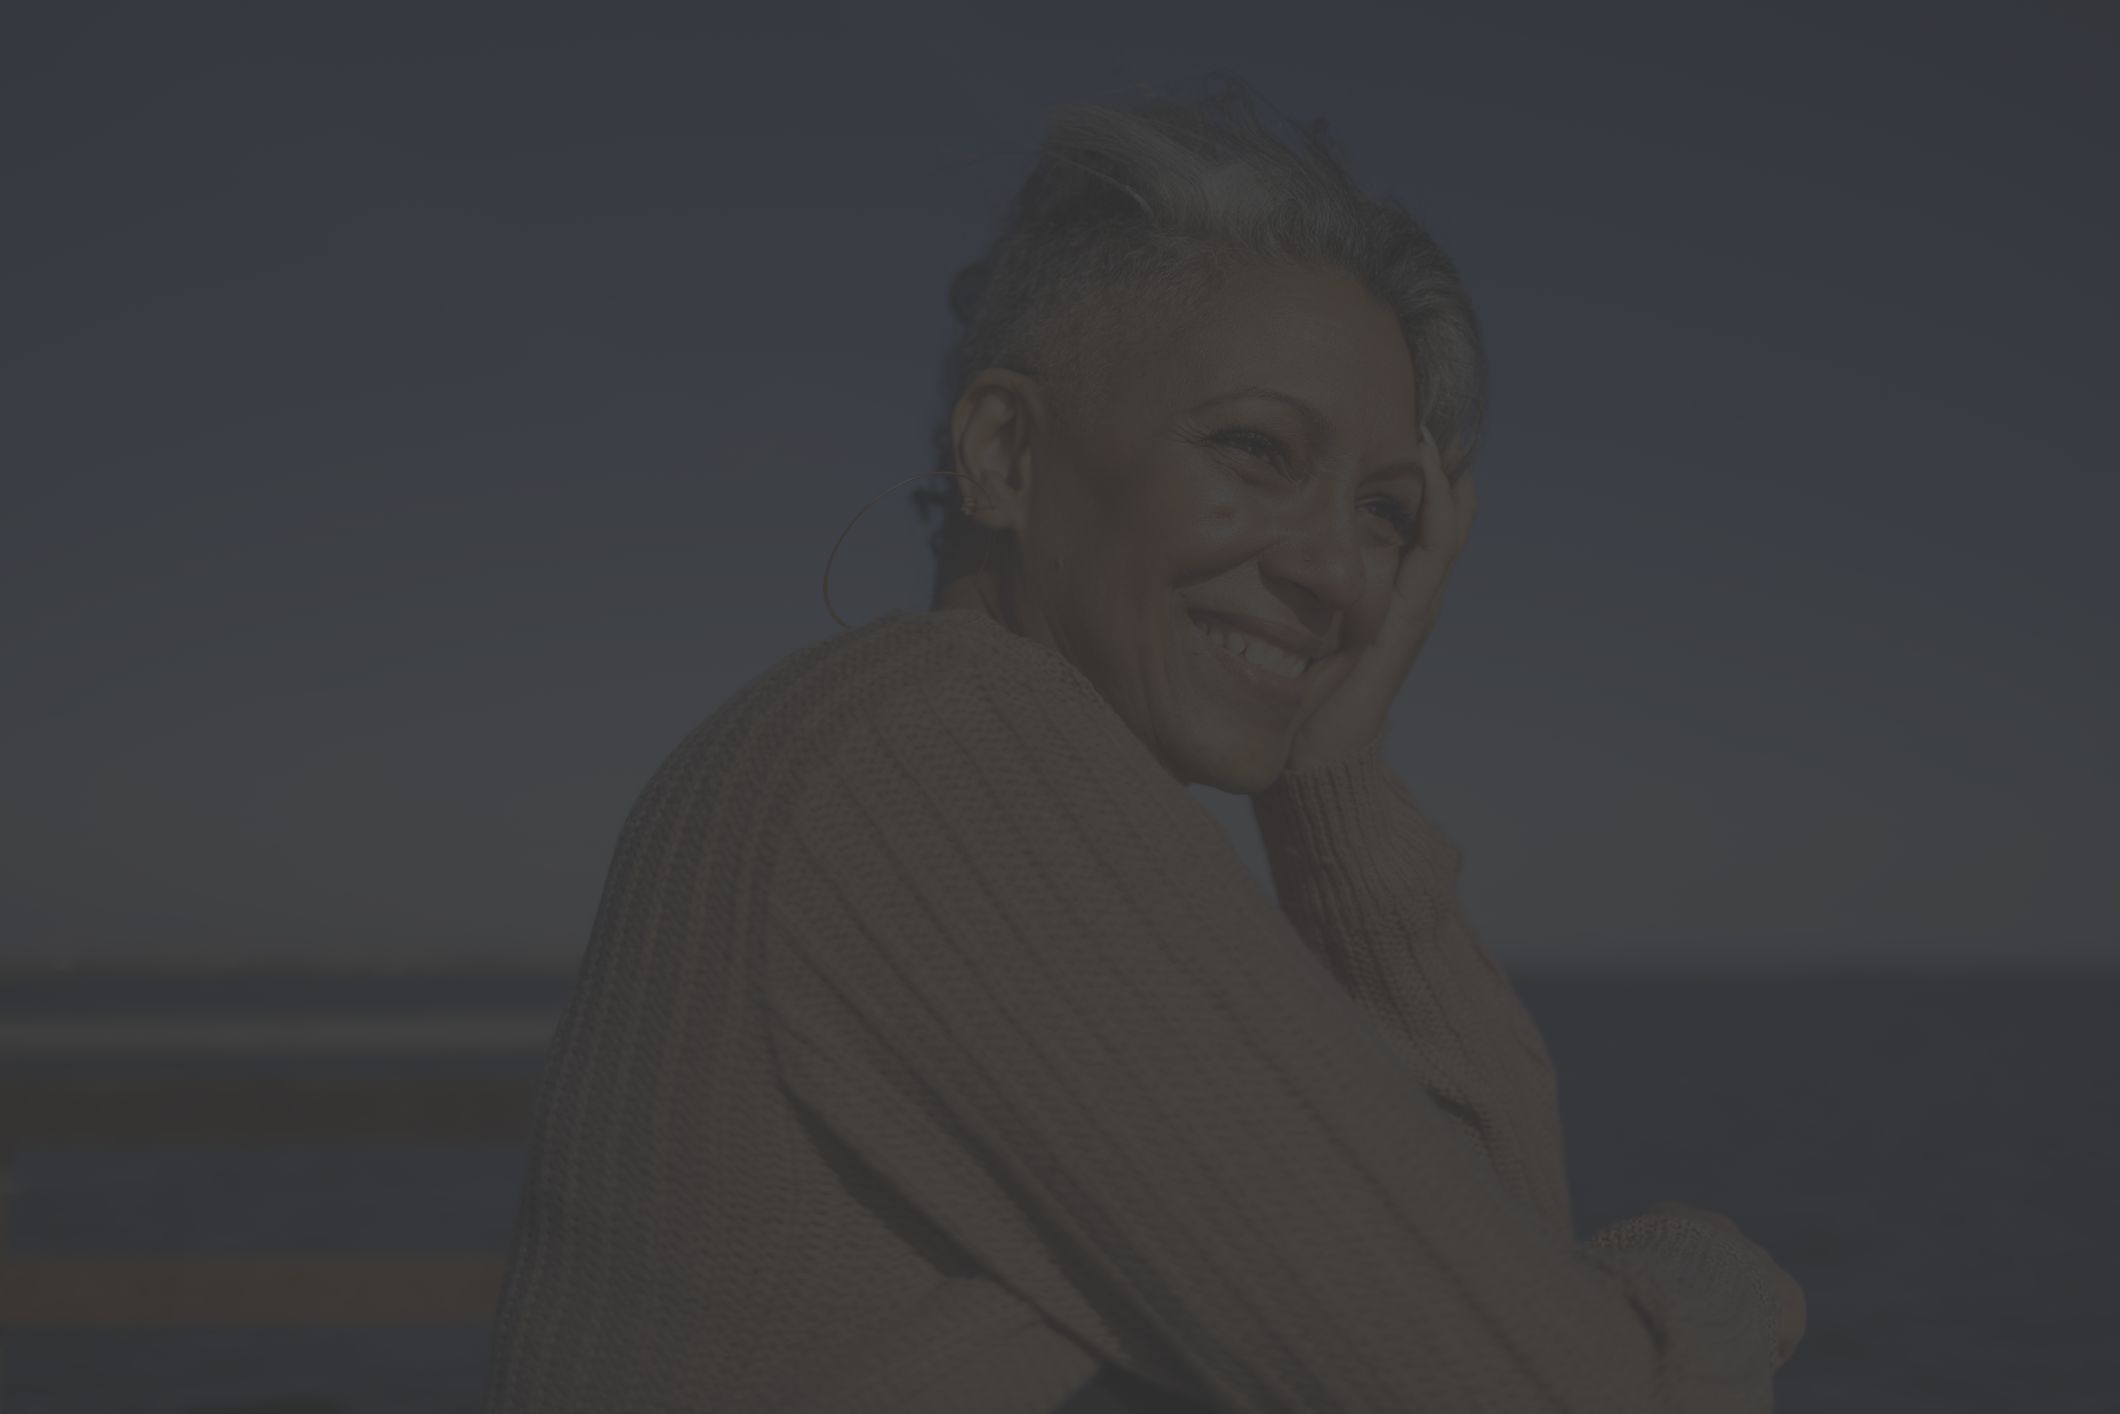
point(1468, 507)
point(1438, 530)
point(1427, 559)
point(1464, 496)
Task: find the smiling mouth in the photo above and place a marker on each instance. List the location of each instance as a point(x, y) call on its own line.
point(1263, 666)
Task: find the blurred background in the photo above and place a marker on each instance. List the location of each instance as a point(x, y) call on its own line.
point(414, 423)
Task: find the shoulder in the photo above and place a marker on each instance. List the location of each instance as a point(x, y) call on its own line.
point(950, 715)
point(947, 685)
point(941, 747)
point(906, 673)
point(906, 693)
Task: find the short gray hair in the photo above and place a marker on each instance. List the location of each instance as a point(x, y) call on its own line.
point(1131, 217)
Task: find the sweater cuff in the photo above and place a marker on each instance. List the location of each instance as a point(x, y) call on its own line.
point(1347, 813)
point(1699, 1275)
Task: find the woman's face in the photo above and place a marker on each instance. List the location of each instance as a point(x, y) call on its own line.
point(1198, 490)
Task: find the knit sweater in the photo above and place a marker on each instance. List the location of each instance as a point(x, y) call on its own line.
point(934, 1047)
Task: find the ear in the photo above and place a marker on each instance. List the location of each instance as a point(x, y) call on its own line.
point(996, 422)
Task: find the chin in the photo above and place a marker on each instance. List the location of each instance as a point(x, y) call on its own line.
point(1235, 767)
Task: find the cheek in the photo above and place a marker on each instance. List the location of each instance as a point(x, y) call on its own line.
point(1173, 550)
point(1196, 503)
point(1195, 539)
point(1380, 570)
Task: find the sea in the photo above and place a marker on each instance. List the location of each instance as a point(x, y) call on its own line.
point(1935, 1159)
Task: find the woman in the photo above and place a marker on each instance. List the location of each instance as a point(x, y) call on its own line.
point(934, 1050)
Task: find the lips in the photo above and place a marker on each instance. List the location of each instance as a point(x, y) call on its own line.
point(1282, 692)
point(1300, 641)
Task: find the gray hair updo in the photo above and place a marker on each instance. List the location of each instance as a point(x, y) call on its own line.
point(1127, 222)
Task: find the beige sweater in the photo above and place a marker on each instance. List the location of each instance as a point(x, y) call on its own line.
point(933, 1047)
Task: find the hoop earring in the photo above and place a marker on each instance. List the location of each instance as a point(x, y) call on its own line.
point(968, 508)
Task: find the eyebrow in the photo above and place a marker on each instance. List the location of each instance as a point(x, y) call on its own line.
point(1314, 422)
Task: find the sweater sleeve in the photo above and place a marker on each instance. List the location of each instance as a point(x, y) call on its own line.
point(1022, 980)
point(1370, 885)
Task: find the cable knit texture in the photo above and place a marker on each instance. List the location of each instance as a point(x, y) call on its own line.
point(933, 1047)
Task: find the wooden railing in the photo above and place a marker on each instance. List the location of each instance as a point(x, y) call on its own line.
point(298, 1289)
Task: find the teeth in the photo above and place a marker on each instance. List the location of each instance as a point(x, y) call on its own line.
point(1258, 652)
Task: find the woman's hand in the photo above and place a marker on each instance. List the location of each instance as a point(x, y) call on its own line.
point(1795, 1311)
point(1363, 680)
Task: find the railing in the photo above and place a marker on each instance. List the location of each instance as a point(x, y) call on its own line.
point(298, 1289)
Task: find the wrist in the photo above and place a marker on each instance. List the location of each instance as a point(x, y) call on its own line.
point(1302, 759)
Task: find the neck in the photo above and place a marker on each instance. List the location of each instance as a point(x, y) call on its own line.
point(976, 592)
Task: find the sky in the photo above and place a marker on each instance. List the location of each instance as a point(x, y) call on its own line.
point(413, 426)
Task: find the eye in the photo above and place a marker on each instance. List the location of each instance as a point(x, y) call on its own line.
point(1258, 443)
point(1401, 516)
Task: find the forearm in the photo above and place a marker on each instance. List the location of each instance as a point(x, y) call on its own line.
point(1370, 884)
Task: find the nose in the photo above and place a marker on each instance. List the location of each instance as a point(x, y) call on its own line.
point(1323, 558)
